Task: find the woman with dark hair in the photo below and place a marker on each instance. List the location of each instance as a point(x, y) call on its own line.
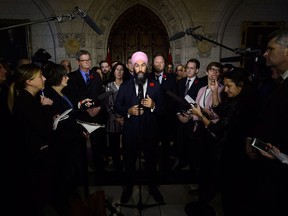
point(68, 139)
point(32, 143)
point(115, 121)
point(237, 113)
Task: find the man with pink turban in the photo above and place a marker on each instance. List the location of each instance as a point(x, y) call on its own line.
point(139, 100)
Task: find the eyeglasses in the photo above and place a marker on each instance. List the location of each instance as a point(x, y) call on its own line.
point(85, 60)
point(217, 70)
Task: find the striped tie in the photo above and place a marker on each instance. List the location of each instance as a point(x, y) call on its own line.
point(187, 86)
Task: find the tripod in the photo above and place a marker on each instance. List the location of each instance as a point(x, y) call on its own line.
point(140, 205)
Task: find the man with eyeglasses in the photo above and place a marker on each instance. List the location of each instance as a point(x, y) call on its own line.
point(84, 87)
point(206, 141)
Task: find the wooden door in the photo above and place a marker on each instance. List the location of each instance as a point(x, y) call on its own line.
point(136, 29)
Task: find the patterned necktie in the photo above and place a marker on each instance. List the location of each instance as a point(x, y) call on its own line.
point(187, 86)
point(87, 78)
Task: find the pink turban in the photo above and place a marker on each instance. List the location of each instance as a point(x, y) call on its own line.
point(139, 56)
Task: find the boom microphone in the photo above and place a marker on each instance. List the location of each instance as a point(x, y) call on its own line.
point(177, 36)
point(188, 31)
point(179, 100)
point(64, 18)
point(246, 50)
point(88, 20)
point(193, 29)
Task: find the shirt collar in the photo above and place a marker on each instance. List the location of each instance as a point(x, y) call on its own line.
point(285, 75)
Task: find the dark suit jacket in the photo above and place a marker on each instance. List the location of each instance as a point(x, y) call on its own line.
point(32, 130)
point(192, 92)
point(32, 125)
point(272, 124)
point(168, 84)
point(77, 90)
point(272, 127)
point(142, 127)
point(68, 129)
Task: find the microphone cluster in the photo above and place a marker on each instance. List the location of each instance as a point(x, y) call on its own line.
point(61, 19)
point(64, 18)
point(78, 11)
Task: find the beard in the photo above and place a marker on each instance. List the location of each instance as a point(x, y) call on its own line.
point(158, 69)
point(140, 78)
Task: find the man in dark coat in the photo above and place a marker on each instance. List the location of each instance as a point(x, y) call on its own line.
point(83, 89)
point(272, 127)
point(139, 100)
point(166, 119)
point(188, 153)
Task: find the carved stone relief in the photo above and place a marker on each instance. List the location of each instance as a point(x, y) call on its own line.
point(71, 42)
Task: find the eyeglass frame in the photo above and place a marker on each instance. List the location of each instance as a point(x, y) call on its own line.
point(217, 70)
point(85, 60)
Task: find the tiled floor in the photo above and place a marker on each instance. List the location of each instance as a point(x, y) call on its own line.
point(175, 187)
point(175, 196)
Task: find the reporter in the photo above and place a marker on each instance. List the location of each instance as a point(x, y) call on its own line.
point(236, 112)
point(68, 141)
point(32, 140)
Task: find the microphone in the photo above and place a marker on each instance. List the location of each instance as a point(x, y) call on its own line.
point(177, 36)
point(64, 18)
point(190, 30)
point(140, 93)
point(140, 81)
point(182, 34)
point(179, 100)
point(105, 95)
point(88, 20)
point(246, 50)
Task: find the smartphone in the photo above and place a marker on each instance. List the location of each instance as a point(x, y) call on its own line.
point(190, 101)
point(258, 144)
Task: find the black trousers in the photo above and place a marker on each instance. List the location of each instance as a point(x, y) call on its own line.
point(98, 140)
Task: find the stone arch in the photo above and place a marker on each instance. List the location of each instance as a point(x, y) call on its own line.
point(227, 14)
point(54, 27)
point(138, 28)
point(174, 16)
